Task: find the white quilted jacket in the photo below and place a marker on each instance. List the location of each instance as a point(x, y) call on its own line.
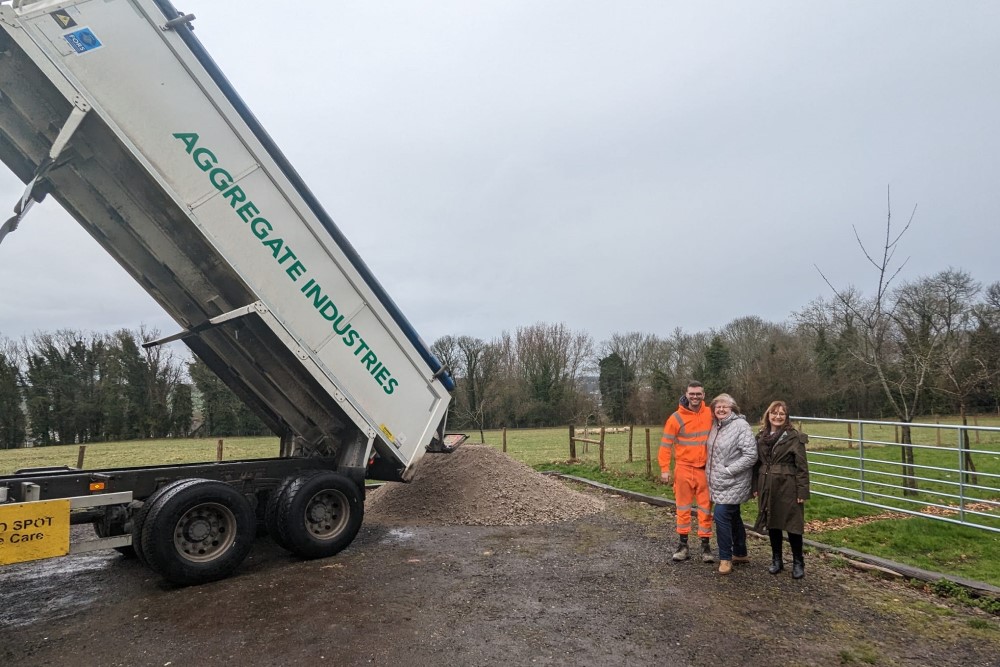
point(732, 451)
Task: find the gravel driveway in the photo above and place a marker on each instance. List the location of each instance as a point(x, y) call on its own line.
point(595, 590)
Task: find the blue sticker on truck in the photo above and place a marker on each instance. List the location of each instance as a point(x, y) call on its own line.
point(82, 40)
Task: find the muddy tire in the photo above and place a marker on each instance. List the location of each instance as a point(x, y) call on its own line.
point(139, 519)
point(318, 514)
point(197, 531)
point(271, 512)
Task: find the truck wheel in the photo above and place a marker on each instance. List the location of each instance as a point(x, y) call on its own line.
point(199, 530)
point(274, 503)
point(319, 514)
point(139, 519)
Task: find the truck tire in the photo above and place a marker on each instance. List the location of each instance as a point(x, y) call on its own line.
point(271, 513)
point(139, 519)
point(319, 514)
point(197, 531)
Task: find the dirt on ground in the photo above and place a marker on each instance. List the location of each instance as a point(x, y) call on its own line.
point(419, 588)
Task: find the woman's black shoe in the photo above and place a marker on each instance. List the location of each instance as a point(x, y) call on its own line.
point(777, 565)
point(798, 569)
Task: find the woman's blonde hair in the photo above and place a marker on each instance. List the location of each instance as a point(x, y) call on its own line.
point(728, 399)
point(765, 421)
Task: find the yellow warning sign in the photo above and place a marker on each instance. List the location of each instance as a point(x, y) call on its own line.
point(388, 433)
point(32, 531)
point(63, 19)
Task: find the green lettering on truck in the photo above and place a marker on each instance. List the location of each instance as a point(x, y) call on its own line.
point(207, 161)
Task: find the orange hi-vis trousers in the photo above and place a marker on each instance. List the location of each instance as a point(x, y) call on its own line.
point(691, 487)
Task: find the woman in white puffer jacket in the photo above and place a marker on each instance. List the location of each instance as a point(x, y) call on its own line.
point(732, 452)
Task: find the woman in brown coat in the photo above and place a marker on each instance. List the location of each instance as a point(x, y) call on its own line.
point(781, 485)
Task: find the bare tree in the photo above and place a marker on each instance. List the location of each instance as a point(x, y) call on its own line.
point(988, 338)
point(482, 363)
point(550, 359)
point(631, 348)
point(446, 350)
point(750, 340)
point(965, 363)
point(845, 381)
point(887, 341)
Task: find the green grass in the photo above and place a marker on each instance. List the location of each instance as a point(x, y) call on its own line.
point(138, 453)
point(925, 543)
point(948, 589)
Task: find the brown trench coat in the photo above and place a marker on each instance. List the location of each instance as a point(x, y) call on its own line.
point(780, 477)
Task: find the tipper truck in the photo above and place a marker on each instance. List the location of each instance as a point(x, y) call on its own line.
point(115, 109)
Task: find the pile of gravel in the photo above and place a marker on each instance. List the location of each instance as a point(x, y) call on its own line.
point(477, 485)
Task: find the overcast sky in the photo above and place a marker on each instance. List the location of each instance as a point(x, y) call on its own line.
point(625, 166)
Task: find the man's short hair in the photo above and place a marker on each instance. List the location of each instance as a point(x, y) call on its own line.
point(695, 383)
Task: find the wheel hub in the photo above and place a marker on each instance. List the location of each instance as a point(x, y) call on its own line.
point(204, 532)
point(198, 530)
point(325, 515)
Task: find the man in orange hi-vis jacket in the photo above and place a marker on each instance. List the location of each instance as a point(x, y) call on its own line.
point(686, 435)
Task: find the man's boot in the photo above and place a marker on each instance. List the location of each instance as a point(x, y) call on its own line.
point(725, 566)
point(682, 549)
point(798, 567)
point(777, 565)
point(706, 551)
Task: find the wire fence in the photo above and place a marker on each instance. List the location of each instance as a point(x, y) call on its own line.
point(625, 449)
point(946, 472)
point(951, 472)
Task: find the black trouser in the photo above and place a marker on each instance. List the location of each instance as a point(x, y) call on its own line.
point(794, 539)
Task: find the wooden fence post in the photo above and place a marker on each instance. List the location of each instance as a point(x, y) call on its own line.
point(897, 433)
point(79, 457)
point(504, 439)
point(631, 430)
point(572, 442)
point(649, 457)
point(601, 446)
point(218, 451)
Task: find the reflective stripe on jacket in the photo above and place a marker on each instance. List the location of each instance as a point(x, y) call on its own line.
point(686, 433)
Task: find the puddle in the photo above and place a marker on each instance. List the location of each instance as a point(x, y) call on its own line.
point(54, 585)
point(399, 535)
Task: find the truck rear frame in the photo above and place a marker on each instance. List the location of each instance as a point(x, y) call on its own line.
point(116, 110)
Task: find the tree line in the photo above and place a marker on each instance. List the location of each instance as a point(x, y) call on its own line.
point(72, 387)
point(928, 345)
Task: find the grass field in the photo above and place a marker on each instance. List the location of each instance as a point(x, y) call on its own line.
point(138, 453)
point(925, 543)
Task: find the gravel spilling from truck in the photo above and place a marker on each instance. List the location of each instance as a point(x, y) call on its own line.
point(477, 485)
